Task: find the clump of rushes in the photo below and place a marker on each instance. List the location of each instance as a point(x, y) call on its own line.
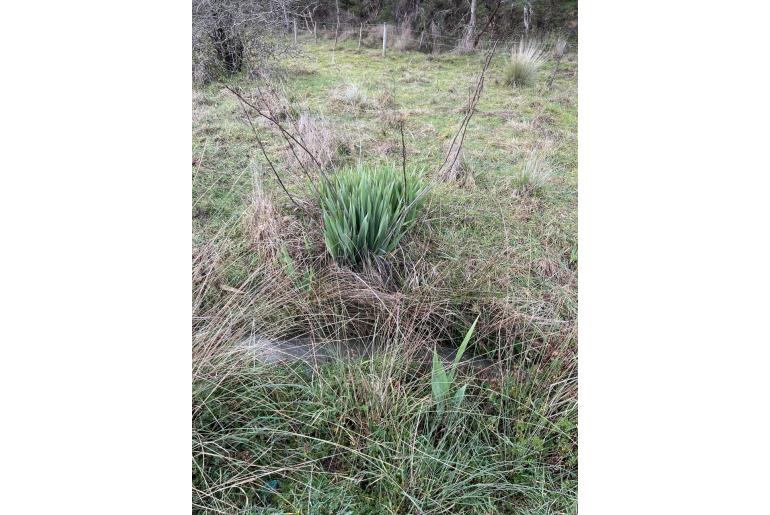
point(526, 60)
point(368, 209)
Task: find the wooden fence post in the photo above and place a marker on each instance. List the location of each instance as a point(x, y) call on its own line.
point(384, 38)
point(360, 31)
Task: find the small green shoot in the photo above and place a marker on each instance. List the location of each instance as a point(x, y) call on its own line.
point(441, 382)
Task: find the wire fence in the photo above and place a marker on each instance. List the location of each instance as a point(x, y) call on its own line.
point(399, 36)
point(394, 35)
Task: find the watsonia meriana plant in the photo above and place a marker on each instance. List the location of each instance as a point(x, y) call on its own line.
point(367, 209)
point(441, 382)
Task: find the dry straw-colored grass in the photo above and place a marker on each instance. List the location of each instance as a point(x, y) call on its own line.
point(526, 60)
point(350, 95)
point(318, 136)
point(461, 170)
point(533, 176)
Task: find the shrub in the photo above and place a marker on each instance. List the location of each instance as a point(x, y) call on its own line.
point(226, 34)
point(404, 40)
point(526, 60)
point(367, 211)
point(386, 100)
point(373, 37)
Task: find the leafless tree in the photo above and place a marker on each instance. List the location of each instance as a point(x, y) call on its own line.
point(226, 32)
point(558, 52)
point(527, 17)
point(467, 42)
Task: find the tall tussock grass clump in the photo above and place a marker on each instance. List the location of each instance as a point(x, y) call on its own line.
point(350, 95)
point(533, 176)
point(368, 209)
point(526, 60)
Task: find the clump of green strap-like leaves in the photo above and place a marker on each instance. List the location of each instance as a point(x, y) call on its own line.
point(442, 382)
point(367, 209)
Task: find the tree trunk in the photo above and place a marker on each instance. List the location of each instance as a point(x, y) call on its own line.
point(226, 41)
point(527, 17)
point(467, 42)
point(336, 29)
point(229, 49)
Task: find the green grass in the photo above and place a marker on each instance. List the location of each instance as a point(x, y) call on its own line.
point(364, 437)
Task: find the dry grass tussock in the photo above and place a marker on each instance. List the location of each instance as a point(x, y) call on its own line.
point(350, 95)
point(533, 176)
point(260, 221)
point(320, 138)
point(526, 60)
point(460, 171)
point(386, 100)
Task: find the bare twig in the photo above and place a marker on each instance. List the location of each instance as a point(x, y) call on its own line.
point(403, 156)
point(558, 51)
point(471, 109)
point(275, 122)
point(288, 137)
point(489, 22)
point(460, 133)
point(264, 153)
point(277, 99)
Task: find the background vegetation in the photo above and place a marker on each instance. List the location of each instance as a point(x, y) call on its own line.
point(496, 239)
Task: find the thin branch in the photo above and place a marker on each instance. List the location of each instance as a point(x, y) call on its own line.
point(471, 109)
point(489, 22)
point(264, 153)
point(277, 99)
point(460, 132)
point(403, 157)
point(276, 123)
point(287, 136)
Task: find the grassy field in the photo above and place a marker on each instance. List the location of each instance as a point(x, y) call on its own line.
point(496, 238)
